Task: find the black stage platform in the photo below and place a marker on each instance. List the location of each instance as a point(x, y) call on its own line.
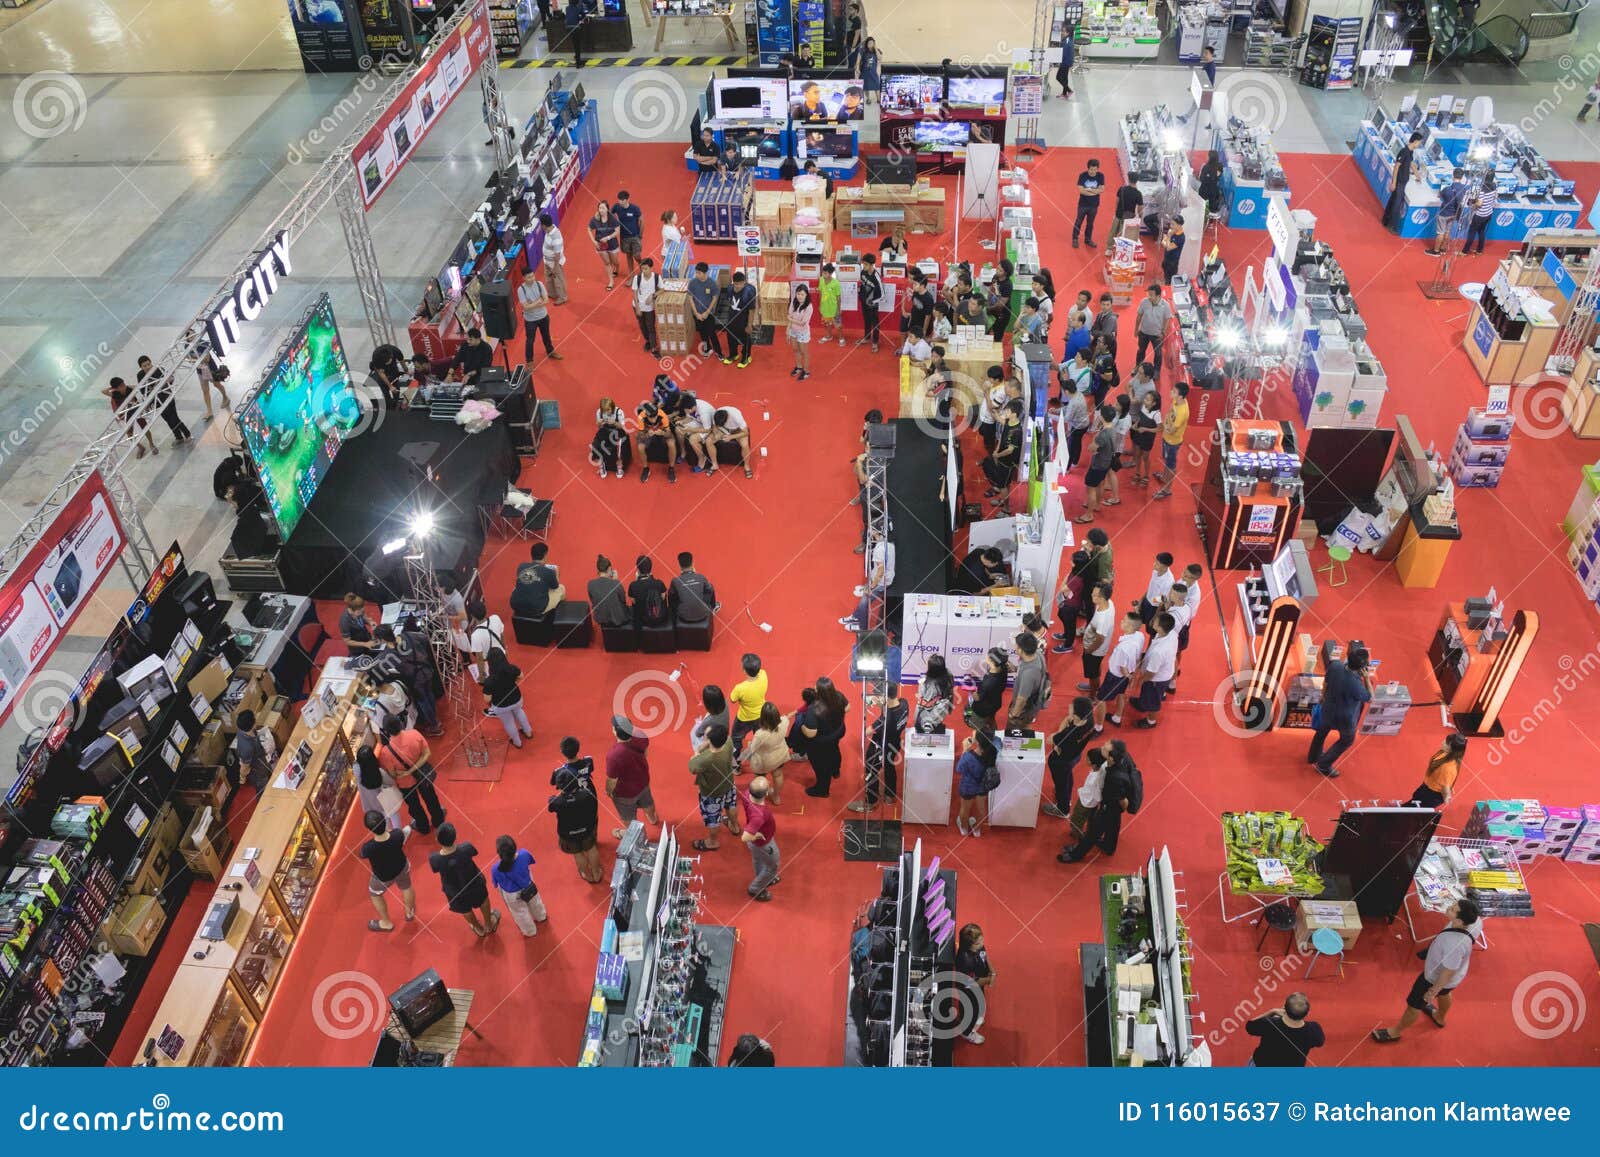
point(919, 518)
point(378, 482)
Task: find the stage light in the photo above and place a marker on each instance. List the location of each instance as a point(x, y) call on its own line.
point(1228, 339)
point(1275, 336)
point(395, 544)
point(422, 524)
point(1174, 140)
point(872, 652)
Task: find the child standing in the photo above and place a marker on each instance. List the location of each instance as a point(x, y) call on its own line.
point(828, 293)
point(972, 960)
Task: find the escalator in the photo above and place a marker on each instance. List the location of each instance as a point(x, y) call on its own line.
point(1500, 39)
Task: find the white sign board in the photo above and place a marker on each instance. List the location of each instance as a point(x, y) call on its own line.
point(1282, 229)
point(749, 241)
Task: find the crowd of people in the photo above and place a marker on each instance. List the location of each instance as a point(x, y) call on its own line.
point(674, 425)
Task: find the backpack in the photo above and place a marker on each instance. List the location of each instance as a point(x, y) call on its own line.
point(991, 778)
point(1135, 789)
point(653, 604)
point(860, 950)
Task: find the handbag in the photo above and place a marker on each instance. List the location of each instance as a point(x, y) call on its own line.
point(529, 892)
point(991, 779)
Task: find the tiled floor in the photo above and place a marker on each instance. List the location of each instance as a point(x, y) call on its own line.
point(125, 198)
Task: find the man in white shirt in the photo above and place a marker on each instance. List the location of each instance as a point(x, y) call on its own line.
point(535, 302)
point(1156, 671)
point(1192, 575)
point(645, 283)
point(1097, 636)
point(880, 574)
point(1445, 966)
point(728, 425)
point(693, 422)
point(1155, 592)
point(553, 259)
point(1121, 666)
point(1178, 608)
point(484, 632)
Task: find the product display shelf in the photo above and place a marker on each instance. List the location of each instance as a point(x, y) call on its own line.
point(1455, 868)
point(224, 987)
point(31, 976)
point(1531, 831)
point(1258, 845)
point(1583, 534)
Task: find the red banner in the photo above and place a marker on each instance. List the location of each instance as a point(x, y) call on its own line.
point(43, 596)
point(390, 143)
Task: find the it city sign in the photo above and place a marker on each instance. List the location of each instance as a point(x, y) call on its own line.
point(249, 296)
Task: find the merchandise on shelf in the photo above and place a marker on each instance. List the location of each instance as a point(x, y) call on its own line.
point(1332, 45)
point(1124, 30)
point(720, 203)
point(1270, 853)
point(1483, 870)
point(1339, 380)
point(1483, 442)
point(1529, 830)
point(1203, 24)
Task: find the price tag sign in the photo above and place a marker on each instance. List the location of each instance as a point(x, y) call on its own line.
point(1499, 404)
point(749, 241)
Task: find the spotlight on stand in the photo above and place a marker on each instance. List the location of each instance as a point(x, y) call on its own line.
point(1173, 139)
point(1275, 337)
point(1228, 338)
point(394, 544)
point(873, 660)
point(422, 524)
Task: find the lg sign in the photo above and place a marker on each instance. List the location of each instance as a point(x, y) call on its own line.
point(250, 295)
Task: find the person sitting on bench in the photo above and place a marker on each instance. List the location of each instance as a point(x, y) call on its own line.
point(607, 597)
point(655, 422)
point(538, 591)
point(728, 425)
point(691, 596)
point(692, 421)
point(648, 595)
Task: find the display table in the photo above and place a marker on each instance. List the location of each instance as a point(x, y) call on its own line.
point(694, 25)
point(1248, 520)
point(1455, 869)
point(1270, 857)
point(274, 639)
point(1457, 662)
point(1425, 547)
point(1250, 174)
point(921, 208)
point(1015, 803)
point(1583, 390)
point(926, 780)
point(222, 990)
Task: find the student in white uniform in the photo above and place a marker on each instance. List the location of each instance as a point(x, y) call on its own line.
point(1121, 666)
point(1155, 592)
point(1156, 670)
point(729, 425)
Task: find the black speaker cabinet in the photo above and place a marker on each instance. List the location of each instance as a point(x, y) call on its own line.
point(499, 319)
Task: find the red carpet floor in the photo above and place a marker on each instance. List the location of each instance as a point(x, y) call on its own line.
point(778, 548)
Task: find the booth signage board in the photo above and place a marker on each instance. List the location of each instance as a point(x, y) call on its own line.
point(386, 27)
point(170, 563)
point(1483, 335)
point(1027, 93)
point(1594, 213)
point(749, 241)
point(1558, 274)
point(46, 592)
point(329, 36)
point(1281, 228)
point(248, 298)
point(388, 144)
point(1499, 403)
point(774, 30)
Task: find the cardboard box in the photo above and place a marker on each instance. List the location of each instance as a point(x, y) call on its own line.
point(1347, 922)
point(168, 829)
point(134, 925)
point(206, 844)
point(211, 744)
point(278, 720)
point(201, 786)
point(148, 874)
point(211, 680)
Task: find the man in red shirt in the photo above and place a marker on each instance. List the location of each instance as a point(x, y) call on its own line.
point(760, 836)
point(404, 754)
point(628, 775)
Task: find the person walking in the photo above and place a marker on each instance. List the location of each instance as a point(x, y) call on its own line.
point(1287, 1035)
point(169, 399)
point(1444, 967)
point(741, 306)
point(1069, 54)
point(1484, 203)
point(503, 698)
point(630, 222)
point(799, 331)
point(553, 259)
point(1091, 183)
point(628, 775)
point(824, 728)
point(1590, 99)
point(404, 754)
point(1150, 325)
point(1174, 427)
point(976, 777)
point(119, 391)
point(385, 853)
point(465, 890)
point(760, 835)
point(577, 810)
point(1444, 767)
point(1346, 687)
point(1066, 748)
point(213, 376)
point(512, 873)
point(535, 301)
point(606, 234)
point(712, 769)
point(1121, 792)
point(869, 292)
point(644, 284)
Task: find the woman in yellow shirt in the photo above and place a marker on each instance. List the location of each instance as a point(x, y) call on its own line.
point(1438, 782)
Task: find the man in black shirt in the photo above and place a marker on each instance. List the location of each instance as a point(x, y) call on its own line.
point(1129, 207)
point(1394, 210)
point(981, 569)
point(169, 408)
point(473, 357)
point(1090, 184)
point(1346, 688)
point(870, 293)
point(705, 152)
point(606, 596)
point(649, 596)
point(1000, 468)
point(883, 751)
point(741, 304)
point(577, 810)
point(692, 597)
point(1287, 1037)
point(538, 591)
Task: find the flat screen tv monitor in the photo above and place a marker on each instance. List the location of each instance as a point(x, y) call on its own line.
point(432, 298)
point(752, 98)
point(941, 136)
point(976, 91)
point(295, 423)
point(909, 92)
point(466, 315)
point(891, 169)
point(820, 101)
point(826, 143)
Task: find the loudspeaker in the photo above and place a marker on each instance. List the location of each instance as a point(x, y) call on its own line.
point(196, 595)
point(499, 320)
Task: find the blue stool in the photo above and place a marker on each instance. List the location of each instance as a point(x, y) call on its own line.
point(1326, 942)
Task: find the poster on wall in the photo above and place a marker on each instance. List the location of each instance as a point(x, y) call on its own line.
point(386, 27)
point(380, 154)
point(46, 592)
point(328, 33)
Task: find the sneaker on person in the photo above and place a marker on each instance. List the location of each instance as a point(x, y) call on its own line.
point(1053, 811)
point(856, 805)
point(974, 1037)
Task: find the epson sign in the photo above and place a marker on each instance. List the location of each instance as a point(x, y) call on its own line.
point(250, 295)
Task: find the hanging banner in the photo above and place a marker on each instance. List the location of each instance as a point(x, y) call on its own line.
point(390, 143)
point(43, 596)
point(774, 30)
